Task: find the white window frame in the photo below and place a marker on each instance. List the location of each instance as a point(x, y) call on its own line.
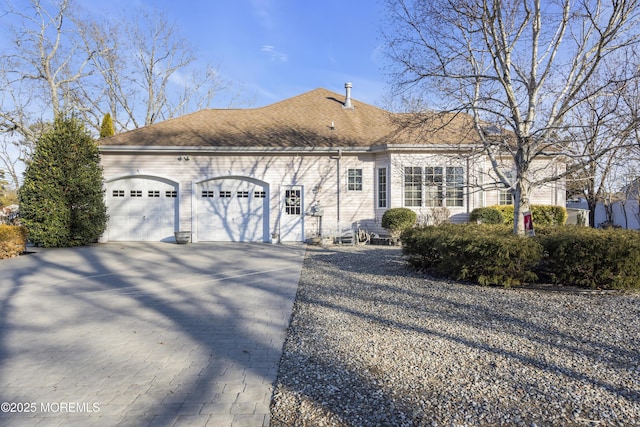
point(382, 189)
point(505, 197)
point(429, 186)
point(354, 179)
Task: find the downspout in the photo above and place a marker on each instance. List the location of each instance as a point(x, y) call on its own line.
point(337, 159)
point(338, 189)
point(468, 190)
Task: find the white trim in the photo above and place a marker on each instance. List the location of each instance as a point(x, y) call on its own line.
point(240, 177)
point(376, 148)
point(143, 175)
point(191, 150)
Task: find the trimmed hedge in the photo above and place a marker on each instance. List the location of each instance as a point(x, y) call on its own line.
point(13, 240)
point(492, 254)
point(591, 258)
point(542, 214)
point(484, 254)
point(486, 216)
point(396, 220)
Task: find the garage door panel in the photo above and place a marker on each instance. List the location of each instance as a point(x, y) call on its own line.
point(232, 210)
point(141, 209)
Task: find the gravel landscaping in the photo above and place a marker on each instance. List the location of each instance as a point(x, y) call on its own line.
point(374, 343)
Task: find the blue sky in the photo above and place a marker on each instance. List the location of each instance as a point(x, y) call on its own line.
point(271, 50)
point(275, 49)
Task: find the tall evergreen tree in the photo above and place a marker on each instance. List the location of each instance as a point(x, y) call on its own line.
point(107, 129)
point(62, 198)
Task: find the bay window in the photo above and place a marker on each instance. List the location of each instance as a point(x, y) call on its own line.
point(434, 186)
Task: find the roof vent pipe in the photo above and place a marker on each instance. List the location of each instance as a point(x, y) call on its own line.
point(347, 100)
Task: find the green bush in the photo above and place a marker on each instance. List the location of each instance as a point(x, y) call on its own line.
point(549, 215)
point(586, 257)
point(542, 214)
point(486, 216)
point(62, 197)
point(492, 254)
point(13, 240)
point(396, 220)
point(481, 253)
point(506, 211)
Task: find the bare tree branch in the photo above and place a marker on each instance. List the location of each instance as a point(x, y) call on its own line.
point(526, 67)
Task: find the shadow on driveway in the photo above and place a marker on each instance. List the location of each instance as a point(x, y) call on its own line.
point(144, 334)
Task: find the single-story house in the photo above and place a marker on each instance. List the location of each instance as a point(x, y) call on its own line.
point(310, 165)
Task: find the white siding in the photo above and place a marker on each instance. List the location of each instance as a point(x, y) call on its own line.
point(316, 173)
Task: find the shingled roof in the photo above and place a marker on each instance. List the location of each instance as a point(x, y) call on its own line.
point(313, 119)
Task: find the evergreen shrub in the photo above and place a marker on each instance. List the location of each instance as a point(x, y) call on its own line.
point(62, 197)
point(396, 220)
point(492, 254)
point(13, 240)
point(486, 216)
point(542, 214)
point(590, 258)
point(486, 254)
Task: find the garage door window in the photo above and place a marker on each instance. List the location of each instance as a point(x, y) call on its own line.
point(243, 194)
point(207, 193)
point(118, 193)
point(259, 194)
point(225, 194)
point(171, 194)
point(154, 193)
point(136, 193)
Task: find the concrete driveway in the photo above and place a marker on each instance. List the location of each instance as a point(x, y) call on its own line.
point(139, 334)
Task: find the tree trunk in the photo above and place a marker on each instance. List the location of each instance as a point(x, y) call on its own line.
point(592, 204)
point(520, 206)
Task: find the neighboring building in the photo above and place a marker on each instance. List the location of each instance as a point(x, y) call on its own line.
point(261, 174)
point(622, 209)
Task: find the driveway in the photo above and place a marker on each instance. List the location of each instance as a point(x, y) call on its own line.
point(144, 333)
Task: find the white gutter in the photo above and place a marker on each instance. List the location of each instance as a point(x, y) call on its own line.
point(254, 150)
point(217, 150)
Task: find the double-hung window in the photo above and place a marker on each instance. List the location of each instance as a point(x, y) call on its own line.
point(505, 197)
point(455, 186)
point(354, 180)
point(412, 186)
point(434, 186)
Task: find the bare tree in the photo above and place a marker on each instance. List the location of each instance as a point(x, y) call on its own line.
point(139, 69)
point(523, 66)
point(604, 129)
point(47, 55)
point(40, 74)
point(148, 70)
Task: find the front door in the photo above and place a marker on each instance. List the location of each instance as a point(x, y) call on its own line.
point(292, 214)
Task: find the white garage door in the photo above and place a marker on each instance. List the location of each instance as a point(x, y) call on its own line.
point(232, 210)
point(141, 209)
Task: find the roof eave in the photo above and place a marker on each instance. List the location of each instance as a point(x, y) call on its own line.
point(125, 149)
point(421, 147)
